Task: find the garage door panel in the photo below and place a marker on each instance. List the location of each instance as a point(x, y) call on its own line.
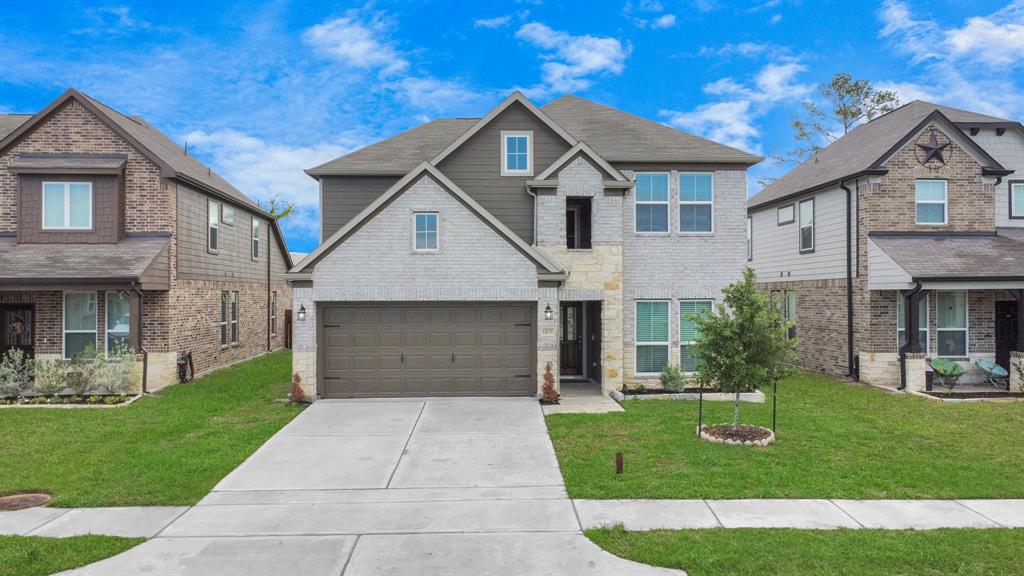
point(518, 338)
point(444, 340)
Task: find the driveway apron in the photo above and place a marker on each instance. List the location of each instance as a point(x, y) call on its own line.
point(460, 486)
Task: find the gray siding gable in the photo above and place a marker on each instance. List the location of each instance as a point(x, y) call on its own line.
point(343, 197)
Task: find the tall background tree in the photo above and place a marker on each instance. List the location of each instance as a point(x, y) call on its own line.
point(280, 208)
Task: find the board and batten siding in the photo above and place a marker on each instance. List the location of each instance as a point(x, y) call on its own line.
point(343, 197)
point(1008, 150)
point(476, 167)
point(776, 248)
point(233, 260)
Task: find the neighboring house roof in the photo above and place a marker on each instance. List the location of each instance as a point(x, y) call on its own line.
point(8, 122)
point(953, 256)
point(622, 137)
point(864, 148)
point(611, 133)
point(42, 264)
point(550, 268)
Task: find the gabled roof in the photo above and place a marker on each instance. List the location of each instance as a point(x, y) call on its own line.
point(953, 256)
point(41, 264)
point(550, 268)
point(8, 122)
point(581, 148)
point(864, 148)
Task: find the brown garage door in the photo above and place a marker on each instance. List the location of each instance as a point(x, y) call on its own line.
point(428, 350)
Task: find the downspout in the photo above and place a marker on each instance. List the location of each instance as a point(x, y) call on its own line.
point(850, 372)
point(270, 233)
point(907, 301)
point(142, 347)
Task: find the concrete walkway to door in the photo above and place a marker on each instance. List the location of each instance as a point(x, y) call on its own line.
point(367, 487)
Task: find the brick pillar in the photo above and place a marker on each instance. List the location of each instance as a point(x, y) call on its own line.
point(916, 372)
point(1016, 362)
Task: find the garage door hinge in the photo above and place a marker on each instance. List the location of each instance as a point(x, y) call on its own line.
point(522, 375)
point(332, 325)
point(525, 324)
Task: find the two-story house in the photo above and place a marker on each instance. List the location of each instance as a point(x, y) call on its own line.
point(916, 219)
point(471, 256)
point(111, 234)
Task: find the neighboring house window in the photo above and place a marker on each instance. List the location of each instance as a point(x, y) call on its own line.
point(688, 332)
point(1016, 199)
point(255, 239)
point(79, 322)
point(516, 153)
point(696, 202)
point(791, 311)
point(425, 231)
point(651, 200)
point(922, 322)
point(952, 324)
point(750, 239)
point(227, 215)
point(234, 317)
point(930, 199)
point(119, 315)
point(785, 214)
point(213, 228)
point(67, 205)
point(807, 225)
point(273, 314)
point(651, 336)
point(225, 301)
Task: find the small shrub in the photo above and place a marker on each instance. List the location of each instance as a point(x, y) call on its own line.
point(640, 388)
point(15, 373)
point(84, 371)
point(116, 375)
point(51, 377)
point(548, 393)
point(297, 394)
point(672, 378)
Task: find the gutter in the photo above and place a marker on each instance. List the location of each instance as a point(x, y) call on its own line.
point(142, 347)
point(850, 372)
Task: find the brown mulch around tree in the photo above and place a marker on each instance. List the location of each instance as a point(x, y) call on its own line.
point(741, 433)
point(22, 501)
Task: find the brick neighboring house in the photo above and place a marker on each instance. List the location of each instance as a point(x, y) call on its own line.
point(466, 256)
point(915, 218)
point(110, 233)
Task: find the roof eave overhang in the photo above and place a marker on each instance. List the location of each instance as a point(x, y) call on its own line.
point(676, 160)
point(317, 173)
point(873, 171)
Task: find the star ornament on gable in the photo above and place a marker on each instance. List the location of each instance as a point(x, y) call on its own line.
point(933, 150)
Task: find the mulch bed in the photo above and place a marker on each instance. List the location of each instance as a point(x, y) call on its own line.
point(22, 501)
point(657, 391)
point(742, 433)
point(65, 399)
point(970, 395)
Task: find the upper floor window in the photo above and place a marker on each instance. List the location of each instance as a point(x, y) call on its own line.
point(577, 223)
point(696, 202)
point(930, 199)
point(255, 238)
point(1016, 199)
point(213, 225)
point(785, 214)
point(807, 225)
point(425, 229)
point(651, 200)
point(750, 239)
point(516, 153)
point(67, 205)
point(227, 215)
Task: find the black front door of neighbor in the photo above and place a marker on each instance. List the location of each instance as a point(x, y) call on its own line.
point(1006, 332)
point(570, 350)
point(16, 329)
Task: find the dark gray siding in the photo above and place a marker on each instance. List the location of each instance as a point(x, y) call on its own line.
point(346, 196)
point(476, 167)
point(233, 261)
point(107, 211)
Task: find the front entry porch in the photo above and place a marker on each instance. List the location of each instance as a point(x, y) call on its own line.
point(579, 347)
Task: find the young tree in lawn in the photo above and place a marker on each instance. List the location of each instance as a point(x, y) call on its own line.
point(745, 344)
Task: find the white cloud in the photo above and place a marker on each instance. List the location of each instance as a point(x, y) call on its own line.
point(359, 43)
point(747, 50)
point(775, 19)
point(442, 96)
point(664, 21)
point(731, 123)
point(572, 61)
point(988, 41)
point(496, 22)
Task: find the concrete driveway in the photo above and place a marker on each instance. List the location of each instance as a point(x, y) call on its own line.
point(373, 487)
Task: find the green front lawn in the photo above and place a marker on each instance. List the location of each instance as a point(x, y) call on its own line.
point(167, 449)
point(35, 556)
point(788, 552)
point(835, 440)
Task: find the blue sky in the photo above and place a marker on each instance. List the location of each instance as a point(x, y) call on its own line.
point(263, 90)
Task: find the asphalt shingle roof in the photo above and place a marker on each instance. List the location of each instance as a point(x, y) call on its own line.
point(966, 256)
point(41, 263)
point(400, 153)
point(860, 149)
point(8, 122)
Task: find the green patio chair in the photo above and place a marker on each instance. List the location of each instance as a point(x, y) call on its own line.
point(995, 374)
point(947, 372)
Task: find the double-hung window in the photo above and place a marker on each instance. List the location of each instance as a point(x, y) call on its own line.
point(79, 323)
point(228, 318)
point(930, 198)
point(750, 239)
point(651, 202)
point(255, 238)
point(952, 324)
point(516, 153)
point(425, 231)
point(901, 320)
point(1017, 200)
point(696, 202)
point(119, 315)
point(67, 205)
point(807, 225)
point(213, 225)
point(791, 312)
point(689, 332)
point(225, 303)
point(273, 313)
point(651, 336)
point(234, 318)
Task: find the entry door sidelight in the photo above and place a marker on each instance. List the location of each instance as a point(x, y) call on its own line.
point(17, 329)
point(571, 339)
point(1006, 332)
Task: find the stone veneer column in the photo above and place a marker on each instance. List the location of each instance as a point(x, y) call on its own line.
point(916, 376)
point(304, 340)
point(547, 335)
point(1016, 382)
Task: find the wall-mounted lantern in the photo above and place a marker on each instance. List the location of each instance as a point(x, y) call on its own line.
point(548, 314)
point(302, 313)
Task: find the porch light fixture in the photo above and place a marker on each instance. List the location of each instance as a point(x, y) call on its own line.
point(302, 313)
point(548, 314)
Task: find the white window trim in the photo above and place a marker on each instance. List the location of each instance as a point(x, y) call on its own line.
point(750, 239)
point(64, 322)
point(636, 343)
point(679, 185)
point(437, 233)
point(225, 316)
point(944, 203)
point(792, 214)
point(667, 202)
point(273, 313)
point(224, 209)
point(682, 342)
point(800, 228)
point(505, 134)
point(234, 312)
point(212, 224)
point(966, 329)
point(254, 246)
point(927, 323)
point(1016, 188)
point(106, 321)
point(67, 206)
